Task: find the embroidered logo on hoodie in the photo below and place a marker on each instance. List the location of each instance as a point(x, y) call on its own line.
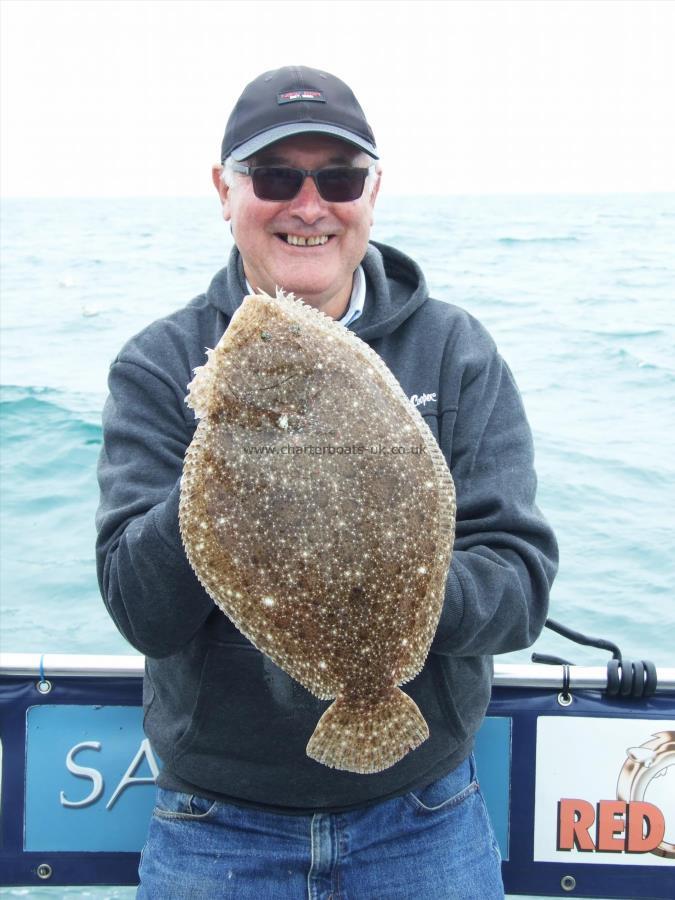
point(422, 399)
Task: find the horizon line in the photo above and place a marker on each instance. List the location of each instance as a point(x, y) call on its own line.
point(394, 196)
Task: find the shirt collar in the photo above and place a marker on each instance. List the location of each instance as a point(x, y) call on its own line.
point(357, 299)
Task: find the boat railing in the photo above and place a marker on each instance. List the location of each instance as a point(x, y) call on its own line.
point(516, 675)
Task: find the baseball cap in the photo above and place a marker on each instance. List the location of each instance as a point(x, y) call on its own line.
point(294, 100)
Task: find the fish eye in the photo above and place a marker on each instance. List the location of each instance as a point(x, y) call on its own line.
point(265, 336)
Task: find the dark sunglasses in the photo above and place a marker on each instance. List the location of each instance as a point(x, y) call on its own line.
point(336, 184)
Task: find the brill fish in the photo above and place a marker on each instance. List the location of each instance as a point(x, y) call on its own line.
point(318, 512)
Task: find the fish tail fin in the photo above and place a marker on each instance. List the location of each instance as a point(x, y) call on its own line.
point(367, 737)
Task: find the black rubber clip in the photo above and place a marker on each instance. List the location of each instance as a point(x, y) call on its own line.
point(631, 679)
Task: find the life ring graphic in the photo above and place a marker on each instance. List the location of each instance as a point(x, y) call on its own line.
point(643, 764)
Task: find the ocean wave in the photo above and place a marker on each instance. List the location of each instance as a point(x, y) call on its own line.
point(563, 239)
point(651, 268)
point(627, 333)
point(38, 414)
point(645, 285)
point(667, 373)
point(85, 407)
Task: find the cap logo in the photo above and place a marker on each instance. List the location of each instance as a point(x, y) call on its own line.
point(294, 96)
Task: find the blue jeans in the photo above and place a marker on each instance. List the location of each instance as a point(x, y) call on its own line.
point(436, 844)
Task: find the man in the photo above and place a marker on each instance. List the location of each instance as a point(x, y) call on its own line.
point(242, 811)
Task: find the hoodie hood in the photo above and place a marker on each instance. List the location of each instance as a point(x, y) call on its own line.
point(395, 289)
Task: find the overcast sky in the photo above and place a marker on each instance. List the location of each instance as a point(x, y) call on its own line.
point(130, 97)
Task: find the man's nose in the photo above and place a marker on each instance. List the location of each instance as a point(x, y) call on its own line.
point(307, 204)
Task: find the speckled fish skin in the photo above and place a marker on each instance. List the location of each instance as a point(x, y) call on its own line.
point(332, 561)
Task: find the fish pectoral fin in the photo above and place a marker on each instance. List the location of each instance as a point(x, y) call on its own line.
point(368, 736)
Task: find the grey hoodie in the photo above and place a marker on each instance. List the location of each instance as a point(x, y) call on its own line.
point(225, 721)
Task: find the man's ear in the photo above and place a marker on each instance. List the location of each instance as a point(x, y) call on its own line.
point(376, 188)
point(223, 190)
point(373, 195)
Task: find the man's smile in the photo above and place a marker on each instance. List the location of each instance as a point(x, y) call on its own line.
point(299, 240)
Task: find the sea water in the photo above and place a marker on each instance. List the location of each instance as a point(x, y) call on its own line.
point(577, 291)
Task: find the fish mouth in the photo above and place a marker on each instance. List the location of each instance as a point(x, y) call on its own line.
point(304, 240)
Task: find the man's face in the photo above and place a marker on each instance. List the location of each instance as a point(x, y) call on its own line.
point(320, 274)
